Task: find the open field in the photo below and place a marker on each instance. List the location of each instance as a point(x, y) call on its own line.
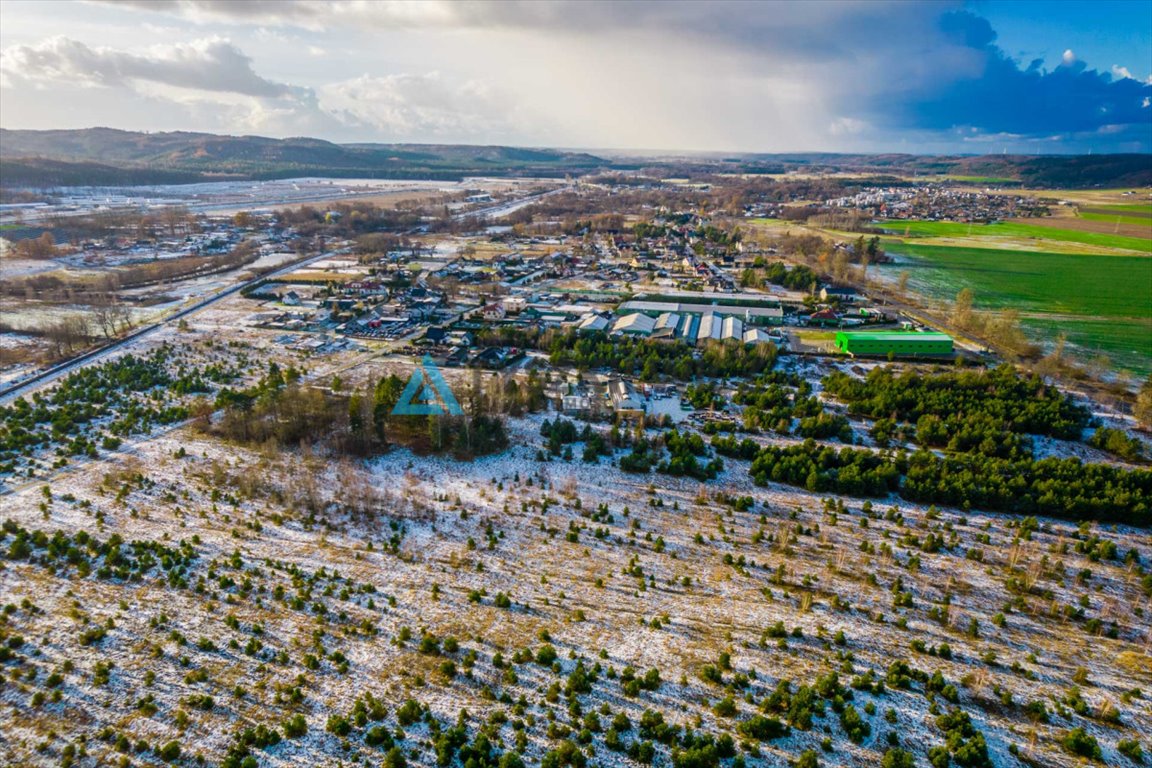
point(1126, 342)
point(1144, 209)
point(1121, 196)
point(1125, 217)
point(309, 583)
point(1103, 223)
point(1102, 302)
point(816, 337)
point(1018, 233)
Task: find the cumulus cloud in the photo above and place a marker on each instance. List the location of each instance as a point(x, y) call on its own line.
point(217, 86)
point(210, 82)
point(206, 65)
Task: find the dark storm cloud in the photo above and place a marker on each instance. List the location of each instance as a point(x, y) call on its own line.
point(806, 31)
point(1001, 97)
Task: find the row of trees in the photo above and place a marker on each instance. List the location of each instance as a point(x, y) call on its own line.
point(1001, 328)
point(1065, 488)
point(347, 219)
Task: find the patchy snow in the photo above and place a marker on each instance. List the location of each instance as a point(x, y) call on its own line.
point(532, 529)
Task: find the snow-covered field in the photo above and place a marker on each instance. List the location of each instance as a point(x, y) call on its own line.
point(437, 540)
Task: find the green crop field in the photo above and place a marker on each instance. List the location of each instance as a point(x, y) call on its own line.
point(1017, 231)
point(1127, 342)
point(1101, 302)
point(1145, 208)
point(1112, 218)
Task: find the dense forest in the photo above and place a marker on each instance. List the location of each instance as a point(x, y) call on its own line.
point(991, 412)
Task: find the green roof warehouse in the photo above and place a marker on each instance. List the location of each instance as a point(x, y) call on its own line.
point(897, 343)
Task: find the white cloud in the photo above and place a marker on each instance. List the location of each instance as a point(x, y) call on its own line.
point(421, 107)
point(846, 126)
point(210, 64)
point(211, 82)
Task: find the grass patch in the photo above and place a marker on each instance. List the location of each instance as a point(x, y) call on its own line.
point(1125, 341)
point(1016, 230)
point(1136, 663)
point(816, 337)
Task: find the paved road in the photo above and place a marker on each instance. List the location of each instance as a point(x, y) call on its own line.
point(28, 385)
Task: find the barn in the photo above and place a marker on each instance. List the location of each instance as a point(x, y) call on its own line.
point(896, 343)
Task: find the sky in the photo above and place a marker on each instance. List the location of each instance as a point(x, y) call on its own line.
point(945, 76)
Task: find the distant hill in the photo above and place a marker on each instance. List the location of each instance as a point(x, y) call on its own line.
point(41, 172)
point(109, 156)
point(98, 155)
point(1051, 171)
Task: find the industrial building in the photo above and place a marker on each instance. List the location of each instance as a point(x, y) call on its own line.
point(896, 343)
point(762, 311)
point(673, 326)
point(635, 324)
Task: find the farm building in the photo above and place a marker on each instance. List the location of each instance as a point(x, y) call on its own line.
point(898, 343)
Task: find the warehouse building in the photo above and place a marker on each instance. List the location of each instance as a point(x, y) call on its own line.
point(896, 343)
point(635, 324)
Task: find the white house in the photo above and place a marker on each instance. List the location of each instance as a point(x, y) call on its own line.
point(492, 312)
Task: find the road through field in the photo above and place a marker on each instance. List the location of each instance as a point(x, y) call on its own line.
point(28, 385)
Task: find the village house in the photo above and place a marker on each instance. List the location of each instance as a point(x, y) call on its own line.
point(493, 312)
point(624, 399)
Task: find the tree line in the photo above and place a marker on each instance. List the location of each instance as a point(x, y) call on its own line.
point(1063, 488)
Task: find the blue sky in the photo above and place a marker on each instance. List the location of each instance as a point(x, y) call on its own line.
point(1104, 32)
point(947, 76)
